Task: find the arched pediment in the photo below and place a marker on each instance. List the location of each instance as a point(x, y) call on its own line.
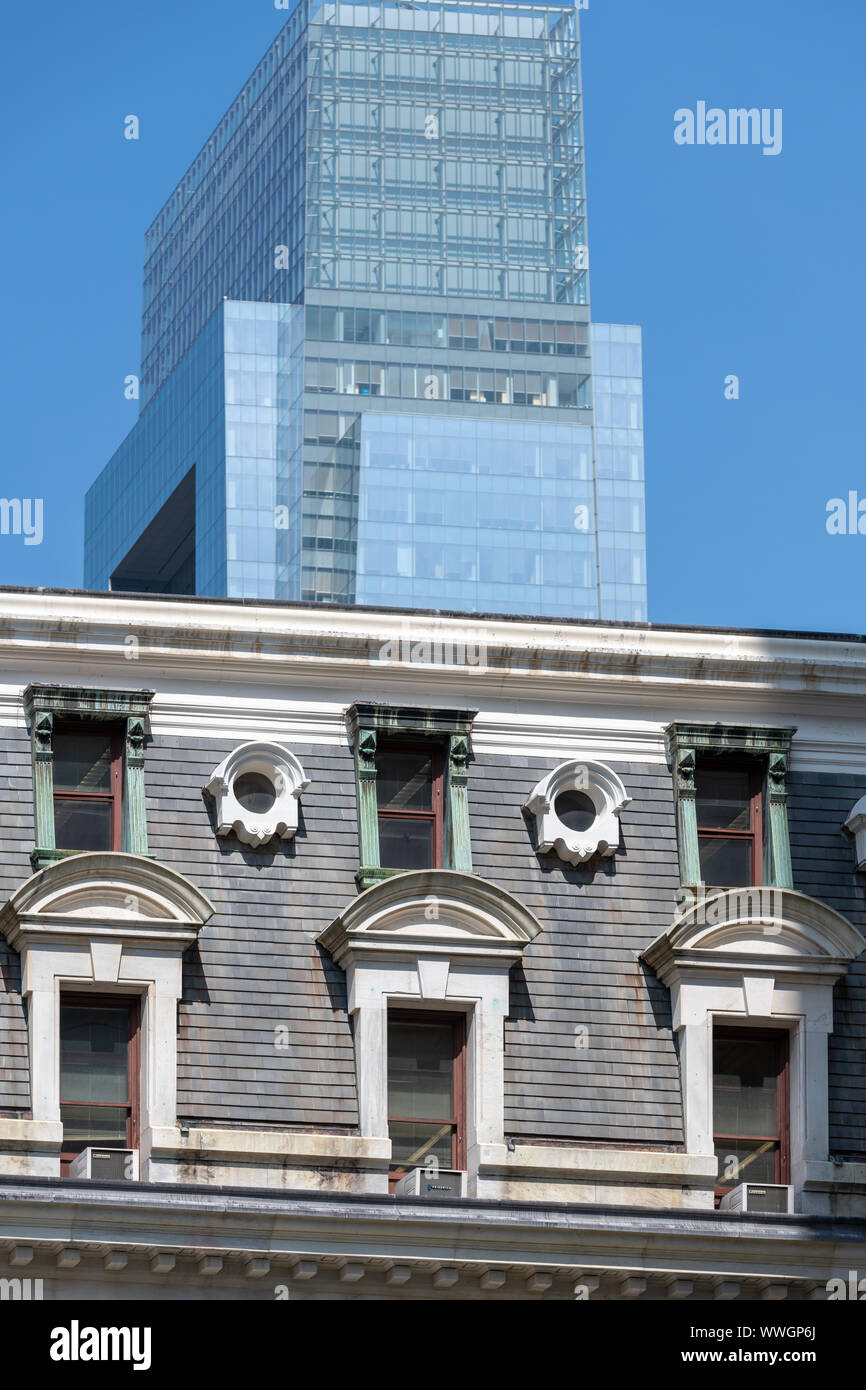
point(126, 894)
point(777, 926)
point(433, 909)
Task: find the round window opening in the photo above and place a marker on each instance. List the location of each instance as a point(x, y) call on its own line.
point(575, 810)
point(254, 792)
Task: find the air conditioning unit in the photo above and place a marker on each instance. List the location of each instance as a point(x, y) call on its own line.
point(771, 1198)
point(440, 1186)
point(106, 1165)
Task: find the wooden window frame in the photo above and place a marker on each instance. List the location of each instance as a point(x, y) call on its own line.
point(115, 794)
point(782, 1139)
point(755, 771)
point(450, 729)
point(457, 1022)
point(132, 1003)
point(126, 712)
point(436, 814)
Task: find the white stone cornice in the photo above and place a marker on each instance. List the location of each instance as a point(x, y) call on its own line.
point(318, 1228)
point(276, 1146)
point(238, 671)
point(263, 1158)
point(193, 635)
point(552, 1161)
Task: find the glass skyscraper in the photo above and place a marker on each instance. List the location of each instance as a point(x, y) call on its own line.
point(369, 372)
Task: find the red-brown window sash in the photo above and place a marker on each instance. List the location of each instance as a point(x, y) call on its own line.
point(755, 833)
point(115, 794)
point(132, 1003)
point(435, 815)
point(458, 1088)
point(782, 1138)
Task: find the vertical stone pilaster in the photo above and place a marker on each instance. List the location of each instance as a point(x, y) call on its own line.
point(368, 820)
point(43, 778)
point(370, 1025)
point(687, 818)
point(696, 1078)
point(781, 874)
point(457, 834)
point(134, 807)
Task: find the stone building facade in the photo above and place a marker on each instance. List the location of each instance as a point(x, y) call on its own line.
point(299, 901)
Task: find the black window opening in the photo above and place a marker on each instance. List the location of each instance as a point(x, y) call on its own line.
point(409, 795)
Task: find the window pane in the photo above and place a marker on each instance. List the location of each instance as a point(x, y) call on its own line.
point(82, 762)
point(745, 1162)
point(404, 780)
point(723, 799)
point(84, 1125)
point(745, 1087)
point(405, 844)
point(413, 1145)
point(94, 1047)
point(254, 792)
point(421, 1070)
point(725, 863)
point(575, 810)
point(82, 825)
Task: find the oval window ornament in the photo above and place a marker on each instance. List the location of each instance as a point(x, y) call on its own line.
point(257, 790)
point(576, 810)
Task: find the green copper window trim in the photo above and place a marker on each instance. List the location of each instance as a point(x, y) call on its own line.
point(687, 744)
point(47, 705)
point(452, 728)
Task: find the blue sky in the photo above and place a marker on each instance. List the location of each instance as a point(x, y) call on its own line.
point(733, 263)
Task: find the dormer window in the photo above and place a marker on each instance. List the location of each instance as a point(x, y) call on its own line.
point(88, 770)
point(412, 774)
point(427, 957)
point(731, 794)
point(409, 800)
point(88, 789)
point(729, 803)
